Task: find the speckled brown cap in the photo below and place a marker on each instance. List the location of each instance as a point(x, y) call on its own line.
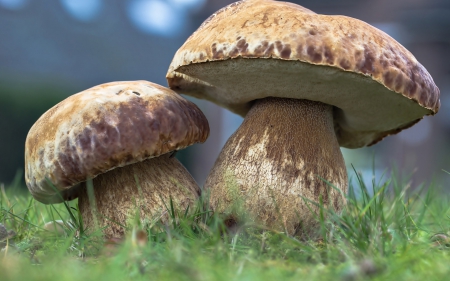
point(260, 48)
point(105, 127)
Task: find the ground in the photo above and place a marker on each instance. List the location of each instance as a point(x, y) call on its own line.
point(386, 232)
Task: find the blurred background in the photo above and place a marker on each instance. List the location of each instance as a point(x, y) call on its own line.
point(52, 49)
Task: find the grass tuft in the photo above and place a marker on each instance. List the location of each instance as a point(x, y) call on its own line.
point(387, 231)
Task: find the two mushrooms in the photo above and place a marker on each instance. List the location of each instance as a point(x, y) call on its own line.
point(306, 85)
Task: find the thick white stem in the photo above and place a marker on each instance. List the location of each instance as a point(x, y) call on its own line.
point(277, 160)
point(146, 187)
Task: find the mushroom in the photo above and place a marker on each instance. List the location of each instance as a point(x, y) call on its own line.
point(5, 235)
point(306, 85)
point(57, 227)
point(122, 135)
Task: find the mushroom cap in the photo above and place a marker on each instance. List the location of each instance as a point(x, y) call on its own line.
point(108, 126)
point(262, 48)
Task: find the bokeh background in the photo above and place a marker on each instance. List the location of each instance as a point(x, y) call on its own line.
point(52, 49)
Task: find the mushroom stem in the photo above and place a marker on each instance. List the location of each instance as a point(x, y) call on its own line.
point(146, 186)
point(277, 159)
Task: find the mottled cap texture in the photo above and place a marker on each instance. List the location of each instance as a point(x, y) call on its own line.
point(108, 126)
point(261, 48)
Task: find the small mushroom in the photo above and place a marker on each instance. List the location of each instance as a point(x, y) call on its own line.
point(57, 227)
point(306, 84)
point(5, 235)
point(121, 136)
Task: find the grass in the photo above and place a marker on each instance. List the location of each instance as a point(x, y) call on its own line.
point(386, 232)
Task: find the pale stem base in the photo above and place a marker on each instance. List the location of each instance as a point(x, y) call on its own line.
point(276, 162)
point(140, 190)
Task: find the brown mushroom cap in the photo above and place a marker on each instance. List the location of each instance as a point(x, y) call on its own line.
point(262, 48)
point(108, 126)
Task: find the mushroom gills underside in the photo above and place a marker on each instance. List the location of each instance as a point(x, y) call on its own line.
point(365, 110)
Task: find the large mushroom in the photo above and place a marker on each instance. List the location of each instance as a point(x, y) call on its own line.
point(122, 135)
point(306, 84)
